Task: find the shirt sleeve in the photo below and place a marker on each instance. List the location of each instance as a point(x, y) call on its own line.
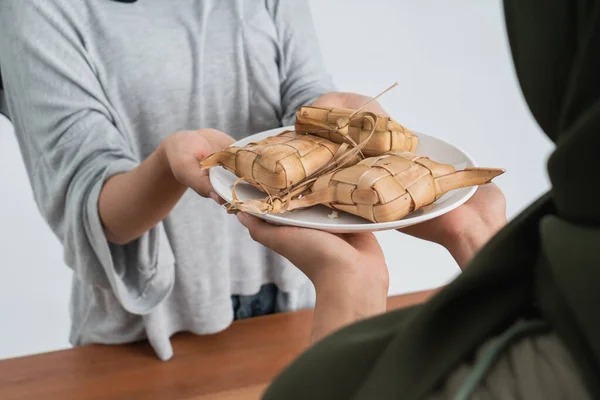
point(68, 135)
point(304, 77)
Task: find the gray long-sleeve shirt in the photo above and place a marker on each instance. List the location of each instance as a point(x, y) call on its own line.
point(93, 86)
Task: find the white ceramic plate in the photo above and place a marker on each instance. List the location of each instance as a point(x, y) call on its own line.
point(316, 217)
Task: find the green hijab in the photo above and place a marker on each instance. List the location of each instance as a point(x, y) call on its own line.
point(545, 263)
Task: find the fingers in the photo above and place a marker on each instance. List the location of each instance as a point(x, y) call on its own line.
point(262, 232)
point(487, 188)
point(185, 149)
point(201, 185)
point(199, 182)
point(311, 251)
point(216, 198)
point(218, 141)
point(363, 242)
point(292, 242)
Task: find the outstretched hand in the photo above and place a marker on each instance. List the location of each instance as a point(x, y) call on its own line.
point(184, 150)
point(466, 229)
point(348, 270)
point(320, 255)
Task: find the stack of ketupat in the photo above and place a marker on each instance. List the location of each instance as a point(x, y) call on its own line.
point(349, 160)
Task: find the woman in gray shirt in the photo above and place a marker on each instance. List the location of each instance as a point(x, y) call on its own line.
point(95, 90)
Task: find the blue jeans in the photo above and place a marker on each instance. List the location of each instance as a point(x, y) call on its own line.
point(262, 303)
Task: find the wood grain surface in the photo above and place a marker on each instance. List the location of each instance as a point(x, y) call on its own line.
point(237, 363)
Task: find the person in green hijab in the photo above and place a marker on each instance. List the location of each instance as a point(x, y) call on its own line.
point(522, 320)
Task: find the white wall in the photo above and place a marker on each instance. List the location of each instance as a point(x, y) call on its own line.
point(34, 283)
point(456, 82)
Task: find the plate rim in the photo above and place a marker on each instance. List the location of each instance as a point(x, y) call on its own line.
point(347, 228)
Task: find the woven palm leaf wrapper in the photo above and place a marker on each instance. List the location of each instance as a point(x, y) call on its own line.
point(382, 189)
point(343, 125)
point(277, 163)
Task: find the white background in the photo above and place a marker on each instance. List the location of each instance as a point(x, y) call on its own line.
point(456, 82)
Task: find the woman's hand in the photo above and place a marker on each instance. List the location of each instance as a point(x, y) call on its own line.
point(133, 202)
point(348, 270)
point(466, 229)
point(183, 152)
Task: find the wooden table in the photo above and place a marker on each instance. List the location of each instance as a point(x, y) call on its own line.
point(237, 363)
